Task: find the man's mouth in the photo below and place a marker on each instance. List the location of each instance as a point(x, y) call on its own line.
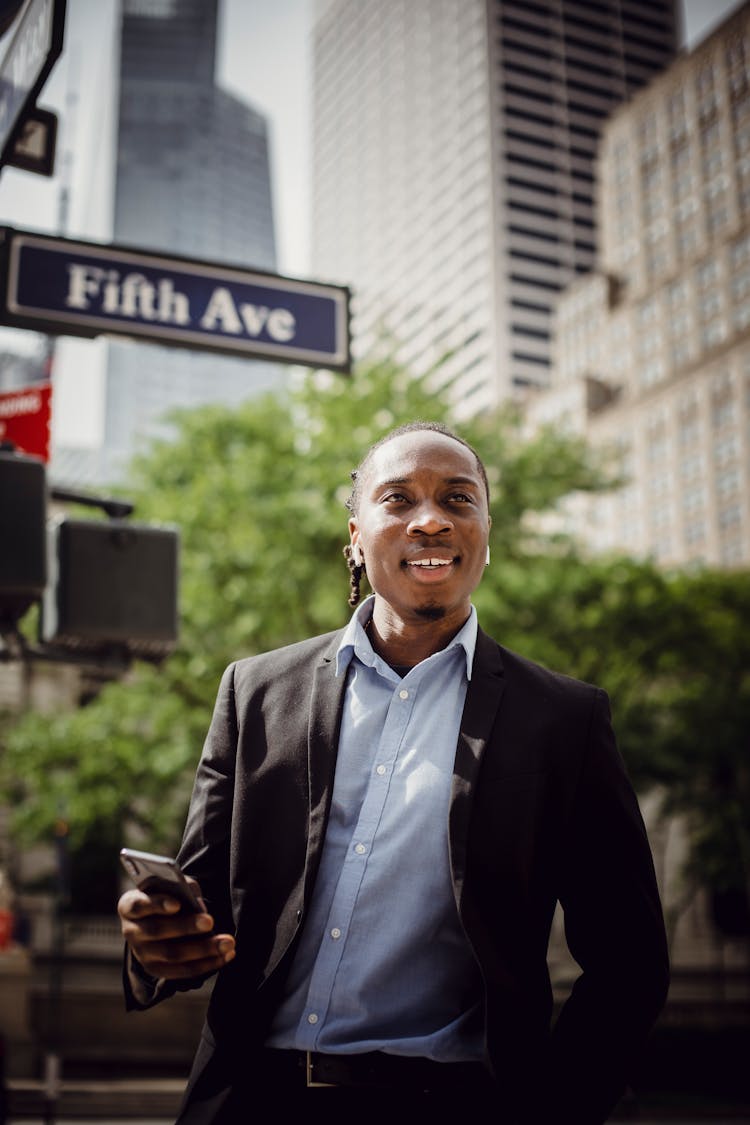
point(429, 564)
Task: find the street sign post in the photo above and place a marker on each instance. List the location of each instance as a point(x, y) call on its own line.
point(25, 67)
point(59, 286)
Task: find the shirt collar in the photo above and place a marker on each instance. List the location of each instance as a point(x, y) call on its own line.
point(355, 641)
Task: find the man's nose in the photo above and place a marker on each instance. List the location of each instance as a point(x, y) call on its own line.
point(428, 519)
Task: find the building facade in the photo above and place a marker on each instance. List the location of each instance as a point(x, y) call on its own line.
point(192, 178)
point(661, 332)
point(454, 160)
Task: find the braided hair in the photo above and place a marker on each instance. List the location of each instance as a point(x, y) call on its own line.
point(356, 570)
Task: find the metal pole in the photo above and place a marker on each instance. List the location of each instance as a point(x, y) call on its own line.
point(53, 1059)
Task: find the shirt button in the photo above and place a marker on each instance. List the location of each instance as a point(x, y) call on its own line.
point(360, 849)
point(380, 770)
point(403, 694)
point(312, 1018)
point(335, 933)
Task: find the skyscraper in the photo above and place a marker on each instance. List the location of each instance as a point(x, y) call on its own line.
point(192, 178)
point(454, 166)
point(653, 349)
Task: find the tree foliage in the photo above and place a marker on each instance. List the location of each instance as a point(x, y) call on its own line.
point(258, 495)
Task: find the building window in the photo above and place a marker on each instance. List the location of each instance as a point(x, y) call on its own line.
point(680, 352)
point(739, 252)
point(717, 217)
point(659, 484)
point(687, 240)
point(730, 518)
point(679, 325)
point(694, 500)
point(676, 114)
point(727, 483)
point(713, 332)
point(695, 533)
point(723, 412)
point(731, 552)
point(726, 449)
point(656, 445)
point(707, 273)
point(741, 316)
point(678, 293)
point(691, 466)
point(737, 52)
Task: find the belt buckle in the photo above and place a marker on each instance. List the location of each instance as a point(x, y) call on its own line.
point(310, 1081)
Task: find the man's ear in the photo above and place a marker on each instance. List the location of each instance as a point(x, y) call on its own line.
point(354, 541)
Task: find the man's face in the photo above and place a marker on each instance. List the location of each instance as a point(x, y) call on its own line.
point(422, 526)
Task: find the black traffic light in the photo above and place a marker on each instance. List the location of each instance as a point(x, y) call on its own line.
point(23, 552)
point(112, 583)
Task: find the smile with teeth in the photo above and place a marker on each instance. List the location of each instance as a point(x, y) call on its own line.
point(430, 563)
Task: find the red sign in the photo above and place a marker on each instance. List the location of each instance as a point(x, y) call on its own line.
point(24, 419)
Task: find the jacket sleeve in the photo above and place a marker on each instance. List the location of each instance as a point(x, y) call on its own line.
point(204, 852)
point(615, 931)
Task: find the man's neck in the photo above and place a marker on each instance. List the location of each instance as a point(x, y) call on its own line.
point(406, 643)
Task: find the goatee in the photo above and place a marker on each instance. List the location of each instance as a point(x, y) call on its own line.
point(431, 612)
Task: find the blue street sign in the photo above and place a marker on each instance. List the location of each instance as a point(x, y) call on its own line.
point(58, 286)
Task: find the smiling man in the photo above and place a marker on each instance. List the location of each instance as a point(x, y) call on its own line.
point(383, 821)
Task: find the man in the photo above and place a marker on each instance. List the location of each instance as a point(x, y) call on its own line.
point(383, 821)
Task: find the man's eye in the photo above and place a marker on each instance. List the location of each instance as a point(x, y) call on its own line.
point(394, 497)
point(459, 498)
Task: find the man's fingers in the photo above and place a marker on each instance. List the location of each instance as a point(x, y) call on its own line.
point(169, 942)
point(191, 949)
point(197, 888)
point(155, 926)
point(158, 927)
point(177, 960)
point(137, 904)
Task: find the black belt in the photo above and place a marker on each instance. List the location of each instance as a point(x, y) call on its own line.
point(373, 1069)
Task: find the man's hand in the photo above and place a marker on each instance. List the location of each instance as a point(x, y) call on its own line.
point(169, 943)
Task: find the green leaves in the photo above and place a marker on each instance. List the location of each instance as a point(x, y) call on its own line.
point(258, 494)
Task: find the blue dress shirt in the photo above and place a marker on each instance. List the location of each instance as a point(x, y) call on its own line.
point(383, 963)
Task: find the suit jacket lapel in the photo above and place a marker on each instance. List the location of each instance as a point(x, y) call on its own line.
point(326, 707)
point(483, 697)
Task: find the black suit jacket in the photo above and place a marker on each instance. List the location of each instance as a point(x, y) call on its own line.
point(541, 810)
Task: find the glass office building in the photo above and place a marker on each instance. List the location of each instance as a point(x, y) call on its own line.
point(192, 178)
point(454, 165)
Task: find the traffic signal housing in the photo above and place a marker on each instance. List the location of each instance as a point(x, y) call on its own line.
point(23, 552)
point(112, 584)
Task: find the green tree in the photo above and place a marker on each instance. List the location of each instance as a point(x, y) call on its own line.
point(673, 651)
point(258, 494)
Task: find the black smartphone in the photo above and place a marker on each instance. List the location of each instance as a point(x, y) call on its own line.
point(158, 874)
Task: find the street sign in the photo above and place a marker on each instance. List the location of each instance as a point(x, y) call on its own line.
point(59, 286)
point(25, 418)
point(34, 150)
point(31, 54)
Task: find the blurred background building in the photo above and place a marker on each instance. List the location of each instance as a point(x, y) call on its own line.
point(191, 176)
point(652, 350)
point(454, 168)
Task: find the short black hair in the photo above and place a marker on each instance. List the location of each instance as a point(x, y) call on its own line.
point(352, 502)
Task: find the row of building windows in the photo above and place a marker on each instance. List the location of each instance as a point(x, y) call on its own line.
point(634, 45)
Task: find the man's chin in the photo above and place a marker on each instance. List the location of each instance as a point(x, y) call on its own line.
point(430, 612)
